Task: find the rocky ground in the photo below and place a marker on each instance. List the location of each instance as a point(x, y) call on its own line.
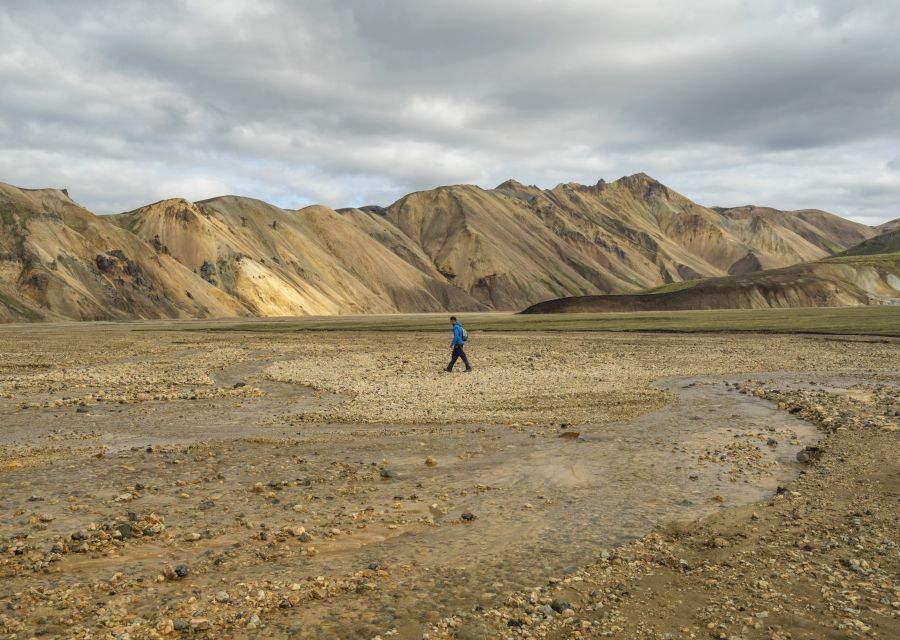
point(158, 483)
point(820, 559)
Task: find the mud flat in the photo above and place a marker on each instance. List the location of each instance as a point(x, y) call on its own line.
point(157, 483)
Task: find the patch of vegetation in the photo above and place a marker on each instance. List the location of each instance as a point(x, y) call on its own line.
point(875, 321)
point(16, 307)
point(635, 282)
point(883, 259)
point(585, 271)
point(672, 287)
point(832, 246)
point(553, 289)
point(14, 215)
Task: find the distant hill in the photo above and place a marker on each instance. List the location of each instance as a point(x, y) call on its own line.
point(888, 226)
point(868, 274)
point(459, 248)
point(888, 242)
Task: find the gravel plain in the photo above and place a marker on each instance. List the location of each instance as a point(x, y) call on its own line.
point(163, 483)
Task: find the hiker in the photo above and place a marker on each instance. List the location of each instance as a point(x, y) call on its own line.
point(460, 335)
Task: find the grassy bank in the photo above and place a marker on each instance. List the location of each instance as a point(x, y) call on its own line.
point(878, 321)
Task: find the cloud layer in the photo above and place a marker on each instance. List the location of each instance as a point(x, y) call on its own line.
point(786, 103)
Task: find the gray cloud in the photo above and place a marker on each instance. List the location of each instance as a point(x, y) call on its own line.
point(790, 104)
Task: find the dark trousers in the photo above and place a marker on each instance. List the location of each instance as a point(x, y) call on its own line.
point(458, 353)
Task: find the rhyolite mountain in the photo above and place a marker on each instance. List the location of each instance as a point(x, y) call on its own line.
point(459, 248)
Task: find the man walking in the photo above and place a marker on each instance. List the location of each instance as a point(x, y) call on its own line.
point(456, 347)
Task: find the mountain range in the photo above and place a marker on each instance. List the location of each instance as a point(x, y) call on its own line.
point(459, 248)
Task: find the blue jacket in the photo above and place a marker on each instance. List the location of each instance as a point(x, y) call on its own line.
point(457, 335)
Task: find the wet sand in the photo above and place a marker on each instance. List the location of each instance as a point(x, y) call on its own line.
point(229, 486)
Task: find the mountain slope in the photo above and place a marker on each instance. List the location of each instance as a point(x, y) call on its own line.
point(58, 260)
point(885, 243)
point(514, 245)
point(459, 248)
point(278, 262)
point(819, 284)
point(867, 274)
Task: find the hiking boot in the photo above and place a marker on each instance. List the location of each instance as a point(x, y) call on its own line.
point(469, 370)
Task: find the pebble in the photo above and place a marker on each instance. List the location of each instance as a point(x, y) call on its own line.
point(199, 624)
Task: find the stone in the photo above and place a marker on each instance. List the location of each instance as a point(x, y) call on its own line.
point(165, 627)
point(199, 624)
point(223, 596)
point(431, 462)
point(560, 606)
point(467, 516)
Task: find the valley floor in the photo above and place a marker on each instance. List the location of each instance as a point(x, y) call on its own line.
point(158, 482)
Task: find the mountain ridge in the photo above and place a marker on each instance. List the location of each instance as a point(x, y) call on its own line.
point(455, 247)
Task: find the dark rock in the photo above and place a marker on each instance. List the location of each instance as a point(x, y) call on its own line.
point(388, 474)
point(105, 263)
point(182, 571)
point(809, 454)
point(468, 516)
point(125, 530)
point(181, 624)
point(560, 605)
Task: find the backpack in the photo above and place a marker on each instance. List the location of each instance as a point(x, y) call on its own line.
point(465, 335)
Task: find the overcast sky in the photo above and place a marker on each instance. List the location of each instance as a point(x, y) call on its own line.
point(778, 102)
